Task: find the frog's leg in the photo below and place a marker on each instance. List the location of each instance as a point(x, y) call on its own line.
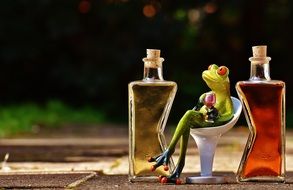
point(182, 131)
point(174, 177)
point(163, 159)
point(183, 125)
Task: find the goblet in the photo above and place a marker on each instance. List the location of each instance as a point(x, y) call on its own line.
point(207, 139)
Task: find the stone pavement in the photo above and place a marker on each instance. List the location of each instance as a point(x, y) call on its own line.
point(44, 179)
point(120, 182)
point(69, 158)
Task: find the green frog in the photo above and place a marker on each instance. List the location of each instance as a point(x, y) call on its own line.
point(222, 112)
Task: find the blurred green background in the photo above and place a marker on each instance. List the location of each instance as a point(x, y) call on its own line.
point(70, 61)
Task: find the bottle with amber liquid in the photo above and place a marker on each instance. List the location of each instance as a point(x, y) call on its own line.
point(150, 101)
point(263, 102)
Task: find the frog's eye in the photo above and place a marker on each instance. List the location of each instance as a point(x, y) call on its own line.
point(210, 67)
point(222, 70)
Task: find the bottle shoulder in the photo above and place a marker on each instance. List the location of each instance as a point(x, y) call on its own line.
point(152, 83)
point(261, 82)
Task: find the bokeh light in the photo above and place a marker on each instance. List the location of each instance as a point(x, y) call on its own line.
point(84, 6)
point(210, 8)
point(149, 10)
point(193, 16)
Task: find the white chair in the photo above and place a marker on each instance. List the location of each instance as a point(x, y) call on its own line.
point(207, 140)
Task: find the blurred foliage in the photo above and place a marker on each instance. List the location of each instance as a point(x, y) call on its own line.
point(30, 117)
point(84, 52)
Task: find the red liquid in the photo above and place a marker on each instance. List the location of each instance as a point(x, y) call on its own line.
point(265, 106)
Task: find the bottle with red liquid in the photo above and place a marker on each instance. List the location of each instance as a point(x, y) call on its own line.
point(263, 102)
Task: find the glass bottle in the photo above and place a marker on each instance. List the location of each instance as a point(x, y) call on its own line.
point(150, 101)
point(263, 102)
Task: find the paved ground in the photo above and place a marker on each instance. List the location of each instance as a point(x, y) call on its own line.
point(44, 179)
point(80, 151)
point(120, 182)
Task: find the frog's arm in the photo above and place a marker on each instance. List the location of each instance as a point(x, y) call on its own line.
point(224, 118)
point(228, 114)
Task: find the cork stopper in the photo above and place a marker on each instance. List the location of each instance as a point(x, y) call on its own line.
point(259, 55)
point(153, 59)
point(153, 53)
point(259, 51)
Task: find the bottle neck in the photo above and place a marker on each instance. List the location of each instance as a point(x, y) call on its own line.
point(153, 73)
point(260, 69)
point(153, 70)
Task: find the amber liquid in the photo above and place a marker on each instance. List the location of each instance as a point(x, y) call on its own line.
point(150, 104)
point(263, 102)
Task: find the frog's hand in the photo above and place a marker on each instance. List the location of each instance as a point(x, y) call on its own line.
point(200, 102)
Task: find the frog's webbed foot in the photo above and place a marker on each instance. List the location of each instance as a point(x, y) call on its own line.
point(175, 180)
point(174, 177)
point(162, 159)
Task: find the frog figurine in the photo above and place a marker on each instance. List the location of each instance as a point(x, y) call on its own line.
point(218, 113)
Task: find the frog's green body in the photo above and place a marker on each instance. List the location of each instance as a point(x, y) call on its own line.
point(217, 80)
